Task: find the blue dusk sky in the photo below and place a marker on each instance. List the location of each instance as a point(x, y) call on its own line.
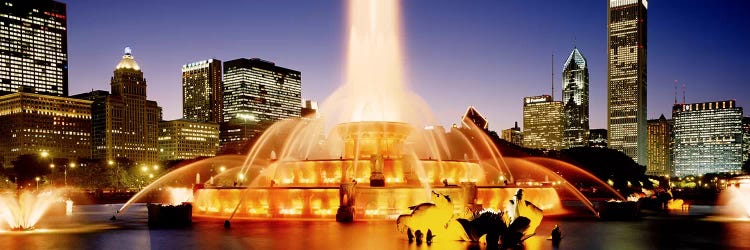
point(485, 53)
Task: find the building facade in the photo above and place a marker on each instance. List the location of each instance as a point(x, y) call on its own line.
point(660, 147)
point(33, 47)
point(575, 93)
point(35, 123)
point(259, 90)
point(202, 93)
point(124, 123)
point(513, 135)
point(185, 139)
point(626, 77)
point(707, 138)
point(542, 123)
point(745, 139)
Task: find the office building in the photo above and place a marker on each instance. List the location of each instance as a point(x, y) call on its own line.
point(185, 139)
point(124, 123)
point(472, 116)
point(707, 138)
point(513, 135)
point(575, 94)
point(33, 47)
point(36, 123)
point(202, 94)
point(660, 147)
point(745, 139)
point(256, 89)
point(542, 123)
point(626, 77)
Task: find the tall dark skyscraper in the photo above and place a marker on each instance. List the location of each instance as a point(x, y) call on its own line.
point(575, 94)
point(202, 98)
point(626, 77)
point(33, 47)
point(256, 89)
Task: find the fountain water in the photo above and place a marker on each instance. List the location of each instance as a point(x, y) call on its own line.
point(21, 211)
point(736, 198)
point(382, 152)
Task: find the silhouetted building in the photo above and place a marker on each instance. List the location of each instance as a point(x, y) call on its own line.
point(237, 136)
point(202, 97)
point(472, 115)
point(124, 123)
point(707, 138)
point(309, 109)
point(259, 90)
point(575, 94)
point(513, 135)
point(33, 47)
point(660, 147)
point(598, 138)
point(626, 77)
point(185, 139)
point(35, 123)
point(542, 123)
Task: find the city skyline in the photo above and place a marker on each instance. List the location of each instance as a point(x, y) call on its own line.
point(497, 61)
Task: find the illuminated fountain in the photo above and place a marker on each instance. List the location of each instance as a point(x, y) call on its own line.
point(373, 152)
point(736, 198)
point(21, 211)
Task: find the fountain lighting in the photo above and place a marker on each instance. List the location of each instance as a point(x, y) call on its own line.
point(374, 151)
point(23, 210)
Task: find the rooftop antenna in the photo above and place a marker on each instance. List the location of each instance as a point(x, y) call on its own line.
point(552, 67)
point(683, 94)
point(675, 91)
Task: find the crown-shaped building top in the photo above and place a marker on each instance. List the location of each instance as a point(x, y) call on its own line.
point(127, 62)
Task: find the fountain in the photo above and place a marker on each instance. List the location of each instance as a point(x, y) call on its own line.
point(735, 199)
point(374, 151)
point(21, 211)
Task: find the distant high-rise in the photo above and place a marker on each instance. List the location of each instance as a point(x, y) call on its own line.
point(185, 139)
point(542, 123)
point(598, 138)
point(473, 116)
point(745, 138)
point(259, 90)
point(626, 77)
point(707, 138)
point(124, 123)
point(202, 97)
point(513, 135)
point(35, 123)
point(660, 147)
point(575, 94)
point(309, 109)
point(33, 47)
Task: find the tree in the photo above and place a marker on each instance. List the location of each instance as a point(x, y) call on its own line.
point(27, 167)
point(746, 167)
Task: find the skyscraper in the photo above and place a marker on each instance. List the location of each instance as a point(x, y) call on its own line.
point(256, 89)
point(124, 123)
point(542, 123)
point(202, 97)
point(707, 138)
point(660, 147)
point(34, 47)
point(626, 77)
point(575, 94)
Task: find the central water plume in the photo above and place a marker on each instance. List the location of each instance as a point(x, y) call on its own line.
point(374, 88)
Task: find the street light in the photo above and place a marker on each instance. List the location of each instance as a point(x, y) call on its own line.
point(37, 183)
point(44, 154)
point(65, 172)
